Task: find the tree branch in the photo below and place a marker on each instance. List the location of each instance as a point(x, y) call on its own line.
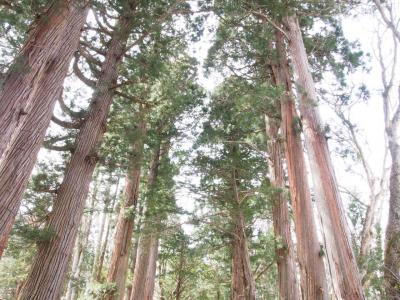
point(65, 124)
point(79, 74)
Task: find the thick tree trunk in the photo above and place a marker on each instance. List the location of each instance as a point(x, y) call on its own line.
point(140, 274)
point(125, 225)
point(46, 53)
point(18, 161)
point(313, 277)
point(340, 254)
point(47, 275)
point(288, 287)
point(243, 284)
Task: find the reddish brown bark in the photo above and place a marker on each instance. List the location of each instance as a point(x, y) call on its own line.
point(243, 284)
point(17, 163)
point(141, 280)
point(152, 267)
point(313, 278)
point(125, 225)
point(288, 287)
point(340, 254)
point(47, 275)
point(37, 59)
point(134, 251)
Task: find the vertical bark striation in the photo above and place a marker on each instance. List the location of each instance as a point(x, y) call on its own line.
point(18, 161)
point(313, 277)
point(125, 224)
point(24, 80)
point(152, 267)
point(47, 275)
point(340, 254)
point(243, 284)
point(140, 283)
point(288, 288)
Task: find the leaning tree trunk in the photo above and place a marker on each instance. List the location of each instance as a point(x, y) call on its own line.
point(126, 218)
point(288, 287)
point(46, 53)
point(46, 278)
point(18, 161)
point(313, 277)
point(243, 284)
point(340, 254)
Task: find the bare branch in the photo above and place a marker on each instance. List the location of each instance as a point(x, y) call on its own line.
point(79, 74)
point(65, 124)
point(388, 21)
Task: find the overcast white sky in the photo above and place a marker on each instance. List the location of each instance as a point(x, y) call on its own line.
point(367, 116)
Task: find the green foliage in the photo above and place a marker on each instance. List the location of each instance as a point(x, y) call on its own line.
point(33, 234)
point(101, 291)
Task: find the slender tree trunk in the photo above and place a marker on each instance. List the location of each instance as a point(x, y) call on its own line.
point(392, 243)
point(340, 253)
point(243, 284)
point(376, 187)
point(107, 198)
point(74, 270)
point(161, 274)
point(313, 277)
point(146, 240)
point(134, 252)
point(392, 251)
point(72, 293)
point(125, 225)
point(179, 281)
point(18, 161)
point(152, 268)
point(47, 275)
point(288, 287)
point(81, 244)
point(110, 223)
point(46, 53)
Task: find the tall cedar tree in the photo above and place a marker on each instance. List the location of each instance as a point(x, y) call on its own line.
point(42, 54)
point(46, 278)
point(28, 98)
point(259, 62)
